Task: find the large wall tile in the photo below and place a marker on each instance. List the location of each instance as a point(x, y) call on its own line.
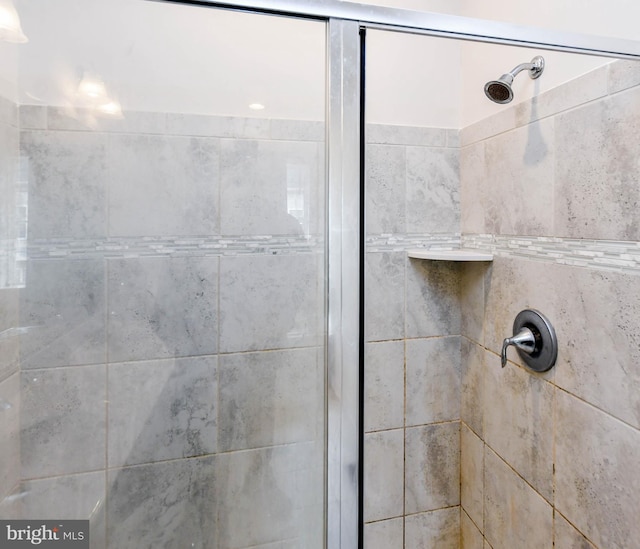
point(269, 495)
point(433, 190)
point(514, 514)
point(270, 302)
point(9, 340)
point(263, 182)
point(473, 188)
point(63, 421)
point(67, 184)
point(472, 299)
point(385, 534)
point(433, 380)
point(566, 536)
point(384, 295)
point(161, 185)
point(597, 482)
point(63, 304)
point(432, 467)
point(169, 504)
point(518, 423)
point(472, 474)
point(472, 385)
point(597, 171)
point(162, 307)
point(520, 170)
point(383, 480)
point(385, 189)
point(269, 398)
point(470, 536)
point(163, 409)
point(597, 319)
point(436, 530)
point(384, 386)
point(433, 298)
point(9, 434)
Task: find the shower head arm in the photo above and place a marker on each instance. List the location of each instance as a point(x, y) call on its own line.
point(535, 68)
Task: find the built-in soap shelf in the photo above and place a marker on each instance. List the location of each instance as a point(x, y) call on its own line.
point(451, 255)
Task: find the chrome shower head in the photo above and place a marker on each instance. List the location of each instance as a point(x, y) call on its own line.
point(499, 91)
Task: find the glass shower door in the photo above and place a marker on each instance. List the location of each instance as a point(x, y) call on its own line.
point(163, 302)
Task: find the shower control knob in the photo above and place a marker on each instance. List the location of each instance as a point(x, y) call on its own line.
point(535, 340)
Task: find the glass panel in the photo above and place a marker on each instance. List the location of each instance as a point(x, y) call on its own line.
point(162, 274)
point(596, 17)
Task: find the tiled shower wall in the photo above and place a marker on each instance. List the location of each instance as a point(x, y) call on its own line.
point(10, 279)
point(552, 186)
point(412, 325)
point(172, 369)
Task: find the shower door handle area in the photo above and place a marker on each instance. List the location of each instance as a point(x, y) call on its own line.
point(535, 340)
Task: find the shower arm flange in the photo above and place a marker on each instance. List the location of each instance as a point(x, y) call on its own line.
point(535, 68)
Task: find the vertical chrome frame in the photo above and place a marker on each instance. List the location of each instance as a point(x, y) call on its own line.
point(343, 253)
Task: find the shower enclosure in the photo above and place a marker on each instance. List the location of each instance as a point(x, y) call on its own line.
point(210, 333)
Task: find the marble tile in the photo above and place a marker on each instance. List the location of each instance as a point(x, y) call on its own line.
point(384, 295)
point(517, 162)
point(384, 386)
point(270, 495)
point(432, 467)
point(33, 117)
point(433, 190)
point(270, 302)
point(453, 138)
point(518, 423)
point(577, 91)
point(168, 504)
point(8, 112)
point(67, 182)
point(596, 321)
point(162, 409)
point(596, 478)
point(297, 130)
point(385, 187)
point(270, 398)
point(623, 74)
point(70, 497)
point(436, 530)
point(503, 121)
point(472, 474)
point(566, 536)
point(161, 185)
point(72, 119)
point(386, 534)
point(514, 514)
point(472, 385)
point(162, 307)
point(515, 284)
point(470, 536)
point(63, 421)
point(433, 298)
point(63, 307)
point(433, 380)
point(596, 169)
point(473, 188)
point(387, 134)
point(271, 187)
point(9, 339)
point(9, 434)
point(472, 299)
point(218, 126)
point(383, 480)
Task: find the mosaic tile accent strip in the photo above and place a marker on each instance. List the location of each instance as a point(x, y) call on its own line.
point(172, 247)
point(595, 254)
point(403, 242)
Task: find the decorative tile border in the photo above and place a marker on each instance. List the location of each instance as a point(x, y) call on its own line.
point(172, 247)
point(404, 242)
point(594, 254)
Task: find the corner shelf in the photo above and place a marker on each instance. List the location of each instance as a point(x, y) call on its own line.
point(451, 255)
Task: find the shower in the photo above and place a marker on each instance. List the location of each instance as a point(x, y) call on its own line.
point(499, 91)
